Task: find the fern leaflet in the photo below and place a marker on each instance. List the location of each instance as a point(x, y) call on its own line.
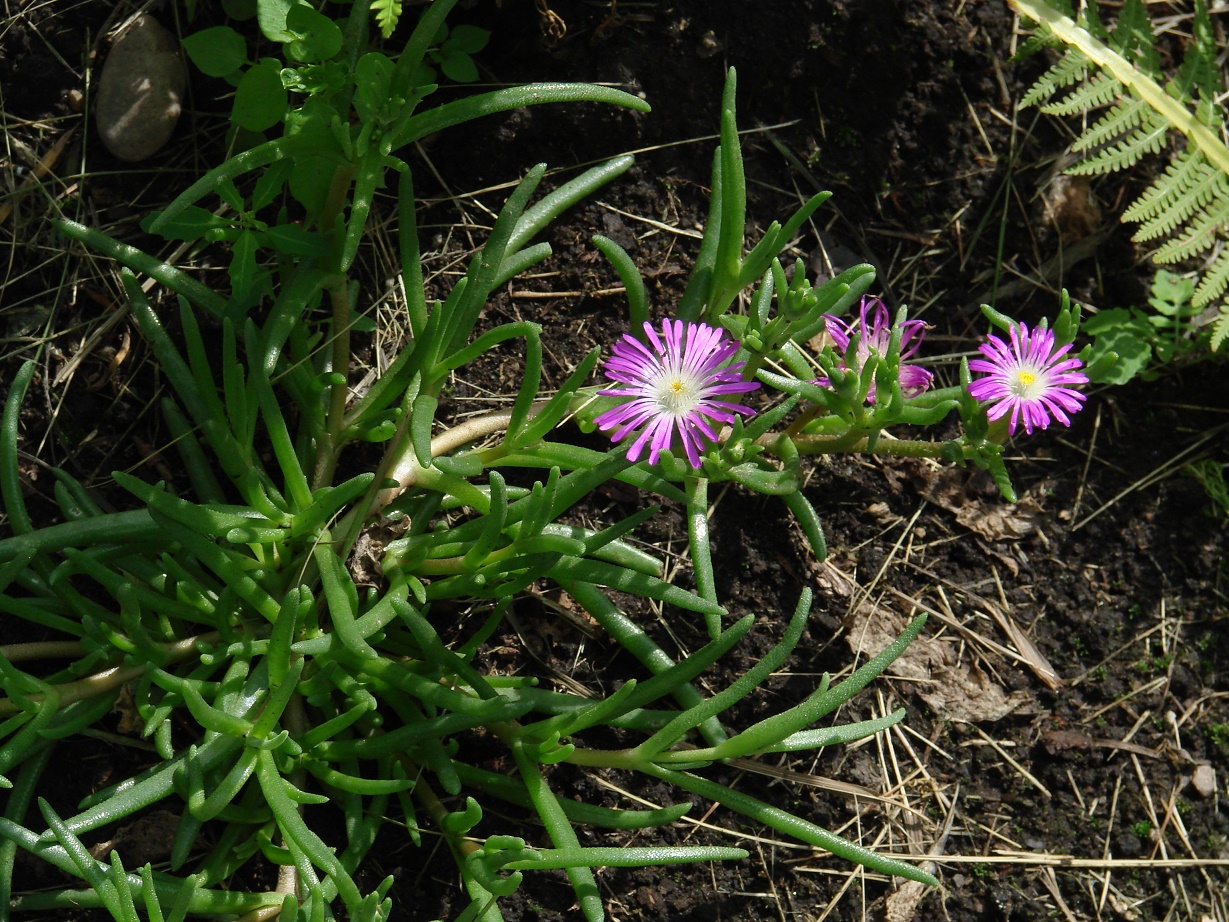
point(1100, 91)
point(1186, 175)
point(1220, 328)
point(1197, 236)
point(1213, 283)
point(1127, 116)
point(388, 12)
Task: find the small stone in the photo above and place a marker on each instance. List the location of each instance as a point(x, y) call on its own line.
point(140, 90)
point(1203, 780)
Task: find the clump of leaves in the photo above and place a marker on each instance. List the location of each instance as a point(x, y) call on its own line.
point(452, 51)
point(273, 683)
point(1145, 341)
point(313, 77)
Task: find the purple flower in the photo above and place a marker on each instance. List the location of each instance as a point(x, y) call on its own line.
point(875, 336)
point(1029, 379)
point(674, 381)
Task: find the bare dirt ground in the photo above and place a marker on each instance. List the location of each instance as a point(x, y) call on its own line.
point(1072, 679)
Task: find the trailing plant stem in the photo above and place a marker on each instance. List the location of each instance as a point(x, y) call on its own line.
point(326, 457)
point(109, 679)
point(407, 470)
point(47, 649)
point(425, 795)
point(859, 443)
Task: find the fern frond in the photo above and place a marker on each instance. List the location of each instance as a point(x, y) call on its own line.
point(1197, 236)
point(1215, 280)
point(1133, 38)
point(1148, 138)
point(1071, 67)
point(1189, 201)
point(1187, 171)
point(1199, 73)
point(1100, 90)
point(1172, 109)
point(388, 13)
point(1130, 114)
point(1090, 19)
point(1176, 196)
point(1220, 328)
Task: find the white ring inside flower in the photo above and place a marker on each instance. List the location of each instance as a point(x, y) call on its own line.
point(1027, 383)
point(677, 393)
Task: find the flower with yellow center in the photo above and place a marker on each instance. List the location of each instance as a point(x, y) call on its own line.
point(674, 379)
point(1028, 378)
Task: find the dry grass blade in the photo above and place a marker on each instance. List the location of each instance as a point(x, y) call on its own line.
point(1024, 773)
point(1041, 860)
point(902, 905)
point(40, 171)
point(1160, 472)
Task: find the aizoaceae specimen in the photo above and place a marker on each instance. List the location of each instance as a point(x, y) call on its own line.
point(675, 380)
point(875, 335)
point(1029, 378)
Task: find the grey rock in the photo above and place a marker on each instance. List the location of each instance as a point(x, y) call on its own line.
point(1203, 780)
point(140, 90)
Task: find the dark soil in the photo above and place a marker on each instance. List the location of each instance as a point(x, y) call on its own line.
point(906, 110)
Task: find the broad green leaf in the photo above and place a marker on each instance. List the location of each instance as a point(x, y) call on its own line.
point(260, 99)
point(1171, 294)
point(372, 76)
point(272, 16)
point(458, 66)
point(293, 239)
point(316, 37)
point(1120, 332)
point(310, 123)
point(1118, 318)
point(190, 224)
point(469, 39)
point(270, 184)
point(309, 182)
point(217, 52)
point(310, 178)
point(230, 194)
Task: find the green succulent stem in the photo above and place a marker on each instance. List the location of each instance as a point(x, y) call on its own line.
point(856, 442)
point(327, 453)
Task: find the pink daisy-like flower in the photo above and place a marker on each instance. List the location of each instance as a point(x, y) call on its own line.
point(875, 335)
point(674, 381)
point(1028, 378)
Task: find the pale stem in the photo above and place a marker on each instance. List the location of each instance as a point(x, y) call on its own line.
point(47, 649)
point(407, 468)
point(109, 679)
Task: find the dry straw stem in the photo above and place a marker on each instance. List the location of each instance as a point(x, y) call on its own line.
point(1042, 860)
point(1158, 473)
